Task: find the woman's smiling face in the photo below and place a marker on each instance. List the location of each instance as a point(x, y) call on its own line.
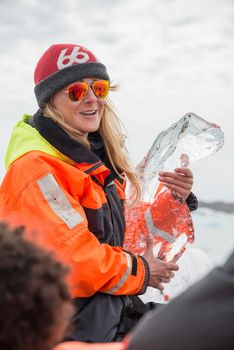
point(84, 115)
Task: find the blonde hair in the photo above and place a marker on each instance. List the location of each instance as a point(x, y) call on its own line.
point(113, 138)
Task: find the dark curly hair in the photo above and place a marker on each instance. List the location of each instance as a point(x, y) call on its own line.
point(34, 298)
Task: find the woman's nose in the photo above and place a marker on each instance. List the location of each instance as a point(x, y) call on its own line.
point(90, 96)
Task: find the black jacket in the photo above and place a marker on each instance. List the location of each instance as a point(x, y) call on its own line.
point(202, 318)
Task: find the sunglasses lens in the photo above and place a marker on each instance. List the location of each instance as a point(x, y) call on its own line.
point(77, 91)
point(101, 88)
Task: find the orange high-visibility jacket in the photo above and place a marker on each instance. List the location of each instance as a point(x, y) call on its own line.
point(85, 346)
point(73, 197)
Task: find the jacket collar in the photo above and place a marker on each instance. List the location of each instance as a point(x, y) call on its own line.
point(91, 160)
point(59, 139)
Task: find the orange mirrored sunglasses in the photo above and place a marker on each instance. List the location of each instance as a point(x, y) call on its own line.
point(77, 91)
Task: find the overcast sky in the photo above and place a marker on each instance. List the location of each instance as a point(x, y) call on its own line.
point(169, 57)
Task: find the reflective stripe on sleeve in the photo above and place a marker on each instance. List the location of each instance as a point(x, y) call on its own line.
point(154, 230)
point(58, 202)
point(124, 277)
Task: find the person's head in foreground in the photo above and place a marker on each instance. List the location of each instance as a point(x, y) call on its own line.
point(35, 302)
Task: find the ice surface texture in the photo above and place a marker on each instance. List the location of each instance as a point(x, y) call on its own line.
point(189, 139)
point(158, 211)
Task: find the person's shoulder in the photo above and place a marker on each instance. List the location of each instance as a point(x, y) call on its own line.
point(36, 161)
point(229, 265)
point(35, 165)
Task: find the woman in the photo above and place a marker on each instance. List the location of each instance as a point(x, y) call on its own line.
point(66, 170)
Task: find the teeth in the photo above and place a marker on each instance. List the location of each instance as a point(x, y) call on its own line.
point(88, 112)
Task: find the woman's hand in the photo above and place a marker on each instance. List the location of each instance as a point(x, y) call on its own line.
point(180, 181)
point(160, 271)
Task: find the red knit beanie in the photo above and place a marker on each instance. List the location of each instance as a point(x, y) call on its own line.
point(61, 65)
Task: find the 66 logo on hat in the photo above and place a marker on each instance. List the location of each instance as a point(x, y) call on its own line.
point(63, 64)
point(78, 55)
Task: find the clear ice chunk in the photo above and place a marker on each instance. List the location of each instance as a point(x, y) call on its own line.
point(158, 211)
point(189, 139)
